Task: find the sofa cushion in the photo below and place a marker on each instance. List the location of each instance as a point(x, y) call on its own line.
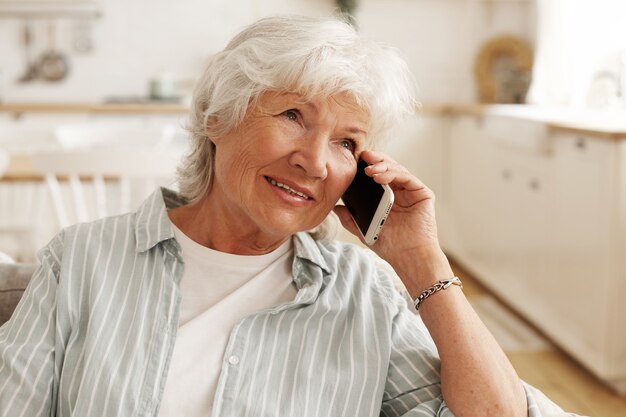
point(13, 281)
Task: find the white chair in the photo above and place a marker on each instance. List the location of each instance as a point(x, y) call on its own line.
point(22, 205)
point(20, 212)
point(6, 259)
point(85, 184)
point(4, 162)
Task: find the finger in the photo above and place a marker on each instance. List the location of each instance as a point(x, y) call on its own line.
point(399, 178)
point(378, 168)
point(373, 157)
point(381, 165)
point(385, 170)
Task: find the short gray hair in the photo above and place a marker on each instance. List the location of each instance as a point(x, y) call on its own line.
point(305, 55)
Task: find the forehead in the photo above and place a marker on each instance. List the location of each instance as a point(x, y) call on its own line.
point(342, 103)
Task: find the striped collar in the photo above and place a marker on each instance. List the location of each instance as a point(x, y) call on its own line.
point(153, 226)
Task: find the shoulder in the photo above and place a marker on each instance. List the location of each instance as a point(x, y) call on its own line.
point(102, 230)
point(341, 256)
point(360, 263)
point(82, 238)
point(140, 230)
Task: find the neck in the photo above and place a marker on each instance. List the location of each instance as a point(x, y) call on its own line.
point(221, 231)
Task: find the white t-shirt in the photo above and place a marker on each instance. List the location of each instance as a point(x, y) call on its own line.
point(218, 290)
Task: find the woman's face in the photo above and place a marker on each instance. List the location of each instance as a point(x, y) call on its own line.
point(285, 166)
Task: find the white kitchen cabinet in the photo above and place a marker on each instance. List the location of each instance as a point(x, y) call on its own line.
point(539, 216)
point(499, 188)
point(588, 251)
point(464, 229)
point(520, 183)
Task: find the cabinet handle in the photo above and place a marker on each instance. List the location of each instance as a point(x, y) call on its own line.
point(535, 184)
point(581, 143)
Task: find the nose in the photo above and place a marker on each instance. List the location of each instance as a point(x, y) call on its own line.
point(312, 156)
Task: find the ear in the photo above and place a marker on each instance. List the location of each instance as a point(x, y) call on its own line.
point(211, 128)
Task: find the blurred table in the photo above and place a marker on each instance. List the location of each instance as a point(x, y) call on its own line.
point(21, 169)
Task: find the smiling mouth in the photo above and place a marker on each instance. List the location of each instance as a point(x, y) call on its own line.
point(287, 188)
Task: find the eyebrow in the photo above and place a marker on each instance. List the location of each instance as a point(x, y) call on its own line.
point(356, 130)
point(352, 129)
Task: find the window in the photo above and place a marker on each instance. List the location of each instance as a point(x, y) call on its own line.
point(580, 57)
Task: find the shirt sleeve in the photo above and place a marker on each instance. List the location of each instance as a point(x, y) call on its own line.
point(27, 344)
point(413, 386)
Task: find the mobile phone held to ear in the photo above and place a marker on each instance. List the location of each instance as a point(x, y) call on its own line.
point(369, 203)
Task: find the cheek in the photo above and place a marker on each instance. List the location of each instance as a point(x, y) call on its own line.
point(232, 167)
point(343, 178)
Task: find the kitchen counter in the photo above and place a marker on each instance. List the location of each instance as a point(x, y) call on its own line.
point(143, 107)
point(608, 123)
point(29, 126)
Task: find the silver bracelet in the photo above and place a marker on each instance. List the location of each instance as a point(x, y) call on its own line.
point(441, 285)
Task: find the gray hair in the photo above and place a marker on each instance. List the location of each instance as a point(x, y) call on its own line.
point(307, 55)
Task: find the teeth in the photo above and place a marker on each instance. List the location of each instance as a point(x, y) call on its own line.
point(287, 188)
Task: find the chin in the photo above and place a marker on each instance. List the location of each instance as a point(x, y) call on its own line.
point(284, 225)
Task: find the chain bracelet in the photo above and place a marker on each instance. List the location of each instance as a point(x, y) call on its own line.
point(441, 285)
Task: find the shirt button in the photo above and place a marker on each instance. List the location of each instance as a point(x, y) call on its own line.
point(233, 360)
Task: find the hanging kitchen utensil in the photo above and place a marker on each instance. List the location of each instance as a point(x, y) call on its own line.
point(30, 73)
point(53, 65)
point(83, 42)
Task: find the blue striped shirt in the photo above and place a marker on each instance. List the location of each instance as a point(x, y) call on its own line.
point(95, 330)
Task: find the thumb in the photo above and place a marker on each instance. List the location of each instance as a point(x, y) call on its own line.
point(346, 219)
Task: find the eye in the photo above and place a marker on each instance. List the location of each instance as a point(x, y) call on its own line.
point(348, 144)
point(292, 115)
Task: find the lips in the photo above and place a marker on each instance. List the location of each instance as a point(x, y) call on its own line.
point(290, 189)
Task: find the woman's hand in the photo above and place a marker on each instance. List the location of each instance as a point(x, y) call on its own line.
point(410, 232)
point(470, 356)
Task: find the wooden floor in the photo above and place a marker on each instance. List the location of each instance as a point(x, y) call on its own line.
point(540, 363)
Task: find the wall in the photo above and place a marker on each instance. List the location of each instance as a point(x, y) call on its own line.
point(440, 38)
point(136, 40)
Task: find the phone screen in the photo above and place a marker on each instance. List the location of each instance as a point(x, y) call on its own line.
point(363, 197)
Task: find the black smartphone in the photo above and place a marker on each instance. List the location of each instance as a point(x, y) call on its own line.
point(369, 203)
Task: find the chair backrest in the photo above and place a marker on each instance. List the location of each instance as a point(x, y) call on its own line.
point(5, 258)
point(86, 184)
point(4, 162)
point(21, 206)
point(14, 279)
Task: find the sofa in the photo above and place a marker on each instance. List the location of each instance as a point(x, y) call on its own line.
point(14, 278)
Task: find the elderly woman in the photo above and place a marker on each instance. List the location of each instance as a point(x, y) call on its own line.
point(230, 298)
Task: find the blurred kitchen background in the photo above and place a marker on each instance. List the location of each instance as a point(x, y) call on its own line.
point(521, 133)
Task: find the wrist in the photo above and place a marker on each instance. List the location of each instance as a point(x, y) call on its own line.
point(439, 286)
point(420, 269)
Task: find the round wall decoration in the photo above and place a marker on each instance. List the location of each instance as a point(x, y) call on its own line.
point(503, 69)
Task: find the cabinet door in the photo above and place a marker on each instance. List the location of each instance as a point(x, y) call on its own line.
point(617, 308)
point(469, 160)
point(521, 185)
point(585, 200)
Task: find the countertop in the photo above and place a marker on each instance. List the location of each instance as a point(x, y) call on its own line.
point(145, 107)
point(609, 123)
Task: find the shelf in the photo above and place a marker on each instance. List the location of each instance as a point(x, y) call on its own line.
point(49, 8)
point(159, 107)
